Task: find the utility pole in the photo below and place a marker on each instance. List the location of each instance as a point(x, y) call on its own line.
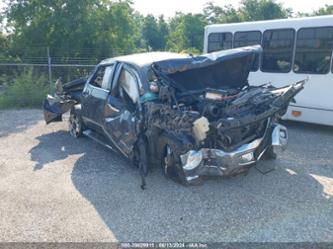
point(50, 68)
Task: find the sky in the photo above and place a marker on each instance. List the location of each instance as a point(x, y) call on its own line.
point(169, 7)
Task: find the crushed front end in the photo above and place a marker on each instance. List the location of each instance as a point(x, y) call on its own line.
point(227, 135)
point(217, 162)
point(211, 120)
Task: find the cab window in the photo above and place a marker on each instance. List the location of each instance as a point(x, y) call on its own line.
point(126, 89)
point(103, 76)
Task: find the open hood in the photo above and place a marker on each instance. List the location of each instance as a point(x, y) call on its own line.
point(223, 69)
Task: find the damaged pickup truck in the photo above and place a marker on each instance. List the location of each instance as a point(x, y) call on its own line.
point(191, 116)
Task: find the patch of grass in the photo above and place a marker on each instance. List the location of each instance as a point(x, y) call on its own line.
point(26, 90)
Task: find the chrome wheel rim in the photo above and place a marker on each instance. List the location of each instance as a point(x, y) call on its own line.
point(74, 125)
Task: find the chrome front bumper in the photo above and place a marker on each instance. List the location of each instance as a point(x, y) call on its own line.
point(208, 162)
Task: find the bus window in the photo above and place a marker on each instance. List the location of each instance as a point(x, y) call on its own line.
point(219, 41)
point(277, 50)
point(313, 50)
point(242, 39)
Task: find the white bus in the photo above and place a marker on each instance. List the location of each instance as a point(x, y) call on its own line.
point(293, 49)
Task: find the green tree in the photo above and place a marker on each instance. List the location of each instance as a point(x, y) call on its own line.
point(115, 30)
point(139, 42)
point(163, 30)
point(58, 24)
point(249, 10)
point(155, 32)
point(186, 33)
point(3, 45)
point(217, 14)
point(4, 55)
point(326, 10)
point(255, 10)
point(150, 32)
point(76, 28)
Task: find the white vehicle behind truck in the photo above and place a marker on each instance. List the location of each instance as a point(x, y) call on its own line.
point(293, 50)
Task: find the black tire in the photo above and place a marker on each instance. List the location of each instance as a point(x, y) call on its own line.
point(76, 125)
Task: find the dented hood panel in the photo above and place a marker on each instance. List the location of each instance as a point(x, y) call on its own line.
point(224, 69)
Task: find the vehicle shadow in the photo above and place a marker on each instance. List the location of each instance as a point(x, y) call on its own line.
point(15, 121)
point(288, 201)
point(53, 147)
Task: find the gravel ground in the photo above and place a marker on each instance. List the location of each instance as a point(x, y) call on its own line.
point(56, 188)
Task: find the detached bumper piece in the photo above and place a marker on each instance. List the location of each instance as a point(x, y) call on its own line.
point(215, 162)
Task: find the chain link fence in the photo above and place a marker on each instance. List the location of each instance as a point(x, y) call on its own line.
point(10, 71)
point(48, 62)
point(26, 78)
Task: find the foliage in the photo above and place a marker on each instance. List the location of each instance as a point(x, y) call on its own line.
point(91, 30)
point(163, 30)
point(4, 45)
point(96, 29)
point(76, 28)
point(327, 10)
point(150, 32)
point(187, 32)
point(119, 25)
point(217, 14)
point(255, 10)
point(250, 10)
point(155, 32)
point(26, 90)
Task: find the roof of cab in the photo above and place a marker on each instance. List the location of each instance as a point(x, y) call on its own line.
point(145, 59)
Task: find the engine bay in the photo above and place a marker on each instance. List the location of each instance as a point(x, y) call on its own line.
point(220, 118)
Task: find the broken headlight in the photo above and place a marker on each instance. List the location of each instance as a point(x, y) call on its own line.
point(193, 160)
point(247, 158)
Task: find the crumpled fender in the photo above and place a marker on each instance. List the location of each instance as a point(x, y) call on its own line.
point(54, 108)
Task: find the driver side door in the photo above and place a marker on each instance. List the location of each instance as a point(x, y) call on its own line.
point(122, 110)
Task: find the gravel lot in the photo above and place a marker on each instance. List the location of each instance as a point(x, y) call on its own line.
point(56, 188)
